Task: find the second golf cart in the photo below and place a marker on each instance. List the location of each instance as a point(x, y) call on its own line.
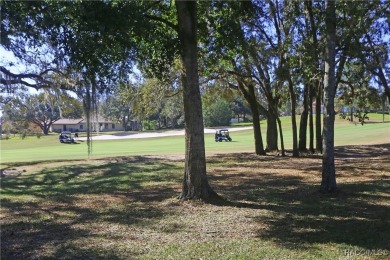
point(222, 135)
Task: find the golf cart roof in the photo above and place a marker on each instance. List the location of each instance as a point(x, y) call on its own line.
point(66, 132)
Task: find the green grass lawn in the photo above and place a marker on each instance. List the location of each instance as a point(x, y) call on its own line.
point(47, 148)
point(127, 208)
point(123, 204)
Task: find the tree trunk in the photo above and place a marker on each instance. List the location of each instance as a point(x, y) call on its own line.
point(311, 123)
point(303, 122)
point(272, 131)
point(328, 183)
point(351, 113)
point(293, 118)
point(195, 183)
point(352, 101)
point(46, 130)
point(259, 147)
point(250, 97)
point(318, 118)
point(318, 95)
point(384, 82)
point(281, 136)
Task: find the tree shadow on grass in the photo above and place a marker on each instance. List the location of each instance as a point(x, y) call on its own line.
point(42, 230)
point(297, 214)
point(68, 202)
point(47, 214)
point(110, 177)
point(362, 151)
point(346, 218)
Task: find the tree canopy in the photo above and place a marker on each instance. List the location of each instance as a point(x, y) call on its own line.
point(275, 53)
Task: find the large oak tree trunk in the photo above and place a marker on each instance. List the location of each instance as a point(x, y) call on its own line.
point(328, 183)
point(195, 183)
point(272, 130)
point(250, 97)
point(259, 147)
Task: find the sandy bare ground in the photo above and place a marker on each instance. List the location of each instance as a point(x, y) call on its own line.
point(157, 134)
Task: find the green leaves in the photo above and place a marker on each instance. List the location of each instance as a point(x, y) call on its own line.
point(217, 113)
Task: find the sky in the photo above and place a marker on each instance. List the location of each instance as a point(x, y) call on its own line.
point(7, 58)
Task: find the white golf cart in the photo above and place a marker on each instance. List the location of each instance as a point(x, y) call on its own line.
point(222, 135)
point(66, 137)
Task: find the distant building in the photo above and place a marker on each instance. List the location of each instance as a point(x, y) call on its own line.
point(80, 125)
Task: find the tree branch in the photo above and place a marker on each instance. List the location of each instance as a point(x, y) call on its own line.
point(41, 83)
point(20, 76)
point(164, 21)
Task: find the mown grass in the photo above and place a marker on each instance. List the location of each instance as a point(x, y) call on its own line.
point(121, 203)
point(127, 208)
point(47, 148)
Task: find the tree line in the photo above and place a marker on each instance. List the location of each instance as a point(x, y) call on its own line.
point(147, 105)
point(271, 52)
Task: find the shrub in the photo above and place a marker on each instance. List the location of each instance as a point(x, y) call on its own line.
point(23, 134)
point(150, 125)
point(217, 114)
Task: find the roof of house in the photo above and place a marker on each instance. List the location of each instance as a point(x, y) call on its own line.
point(100, 119)
point(68, 121)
